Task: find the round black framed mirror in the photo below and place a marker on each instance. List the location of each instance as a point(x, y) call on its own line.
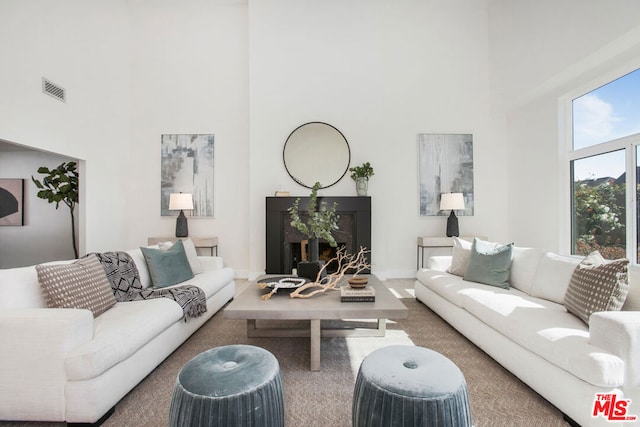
point(316, 152)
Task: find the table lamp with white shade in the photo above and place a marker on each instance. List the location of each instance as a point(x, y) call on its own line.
point(181, 201)
point(452, 201)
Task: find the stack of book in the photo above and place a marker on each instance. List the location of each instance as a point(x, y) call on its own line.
point(366, 294)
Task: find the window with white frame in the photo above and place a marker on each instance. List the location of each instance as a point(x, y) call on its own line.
point(604, 163)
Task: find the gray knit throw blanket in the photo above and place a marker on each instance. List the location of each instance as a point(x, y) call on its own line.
point(125, 281)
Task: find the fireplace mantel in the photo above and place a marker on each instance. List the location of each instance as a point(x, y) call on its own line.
point(356, 209)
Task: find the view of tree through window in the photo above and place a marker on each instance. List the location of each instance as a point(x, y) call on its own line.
point(599, 206)
point(606, 136)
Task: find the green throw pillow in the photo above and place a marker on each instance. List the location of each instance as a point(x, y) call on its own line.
point(489, 264)
point(168, 267)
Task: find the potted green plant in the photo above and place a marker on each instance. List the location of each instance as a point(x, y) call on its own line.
point(319, 224)
point(361, 174)
point(60, 185)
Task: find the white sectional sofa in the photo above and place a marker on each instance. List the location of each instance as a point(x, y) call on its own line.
point(59, 364)
point(527, 329)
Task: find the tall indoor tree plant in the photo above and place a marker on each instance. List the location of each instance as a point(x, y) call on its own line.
point(60, 185)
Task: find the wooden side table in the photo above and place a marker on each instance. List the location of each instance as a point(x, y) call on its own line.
point(436, 242)
point(199, 242)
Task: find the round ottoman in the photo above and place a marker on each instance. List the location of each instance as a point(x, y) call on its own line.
point(410, 386)
point(235, 385)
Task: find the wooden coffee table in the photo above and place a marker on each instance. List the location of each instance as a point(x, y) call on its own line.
point(249, 306)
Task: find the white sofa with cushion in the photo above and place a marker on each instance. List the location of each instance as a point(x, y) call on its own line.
point(527, 328)
point(64, 364)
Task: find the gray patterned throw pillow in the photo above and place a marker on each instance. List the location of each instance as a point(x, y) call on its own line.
point(82, 284)
point(597, 285)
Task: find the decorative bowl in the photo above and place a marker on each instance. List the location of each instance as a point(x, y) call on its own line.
point(358, 281)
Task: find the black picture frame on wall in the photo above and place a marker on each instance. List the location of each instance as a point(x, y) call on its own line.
point(11, 202)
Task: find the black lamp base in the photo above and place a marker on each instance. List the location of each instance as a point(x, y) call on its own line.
point(452, 225)
point(182, 229)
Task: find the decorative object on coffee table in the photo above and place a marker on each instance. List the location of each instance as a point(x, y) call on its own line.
point(233, 385)
point(452, 201)
point(356, 263)
point(401, 382)
point(320, 222)
point(357, 282)
point(361, 174)
point(181, 201)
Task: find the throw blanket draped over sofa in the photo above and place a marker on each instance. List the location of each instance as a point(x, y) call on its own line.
point(553, 321)
point(124, 278)
point(74, 364)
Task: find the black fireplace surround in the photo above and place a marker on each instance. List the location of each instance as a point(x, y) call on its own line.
point(283, 241)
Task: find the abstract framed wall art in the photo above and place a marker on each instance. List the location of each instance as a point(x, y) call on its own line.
point(445, 165)
point(11, 202)
point(187, 167)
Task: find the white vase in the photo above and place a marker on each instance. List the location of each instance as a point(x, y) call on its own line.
point(362, 185)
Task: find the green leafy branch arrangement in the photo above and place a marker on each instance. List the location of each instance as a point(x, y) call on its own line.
point(60, 185)
point(322, 220)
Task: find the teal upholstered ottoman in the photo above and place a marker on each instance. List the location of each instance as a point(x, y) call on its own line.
point(410, 386)
point(235, 385)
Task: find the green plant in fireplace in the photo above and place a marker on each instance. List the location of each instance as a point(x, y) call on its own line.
point(321, 221)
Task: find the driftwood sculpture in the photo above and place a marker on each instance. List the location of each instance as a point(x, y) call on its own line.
point(355, 263)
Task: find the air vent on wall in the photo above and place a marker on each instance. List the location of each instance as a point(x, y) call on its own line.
point(54, 90)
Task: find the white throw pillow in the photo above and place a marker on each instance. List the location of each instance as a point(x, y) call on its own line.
point(552, 277)
point(460, 257)
point(523, 268)
point(192, 256)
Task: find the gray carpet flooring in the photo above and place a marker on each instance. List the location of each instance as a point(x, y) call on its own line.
point(324, 398)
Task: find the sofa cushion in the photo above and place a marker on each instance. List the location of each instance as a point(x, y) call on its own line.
point(552, 277)
point(546, 329)
point(81, 284)
point(597, 285)
point(120, 332)
point(168, 267)
point(523, 267)
point(459, 257)
point(445, 284)
point(489, 263)
point(19, 288)
point(211, 281)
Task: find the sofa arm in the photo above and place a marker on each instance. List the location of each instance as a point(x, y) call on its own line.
point(619, 333)
point(211, 262)
point(440, 263)
point(35, 342)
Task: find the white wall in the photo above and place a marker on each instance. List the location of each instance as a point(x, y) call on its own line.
point(46, 231)
point(380, 72)
point(133, 70)
point(537, 58)
point(189, 68)
point(72, 43)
